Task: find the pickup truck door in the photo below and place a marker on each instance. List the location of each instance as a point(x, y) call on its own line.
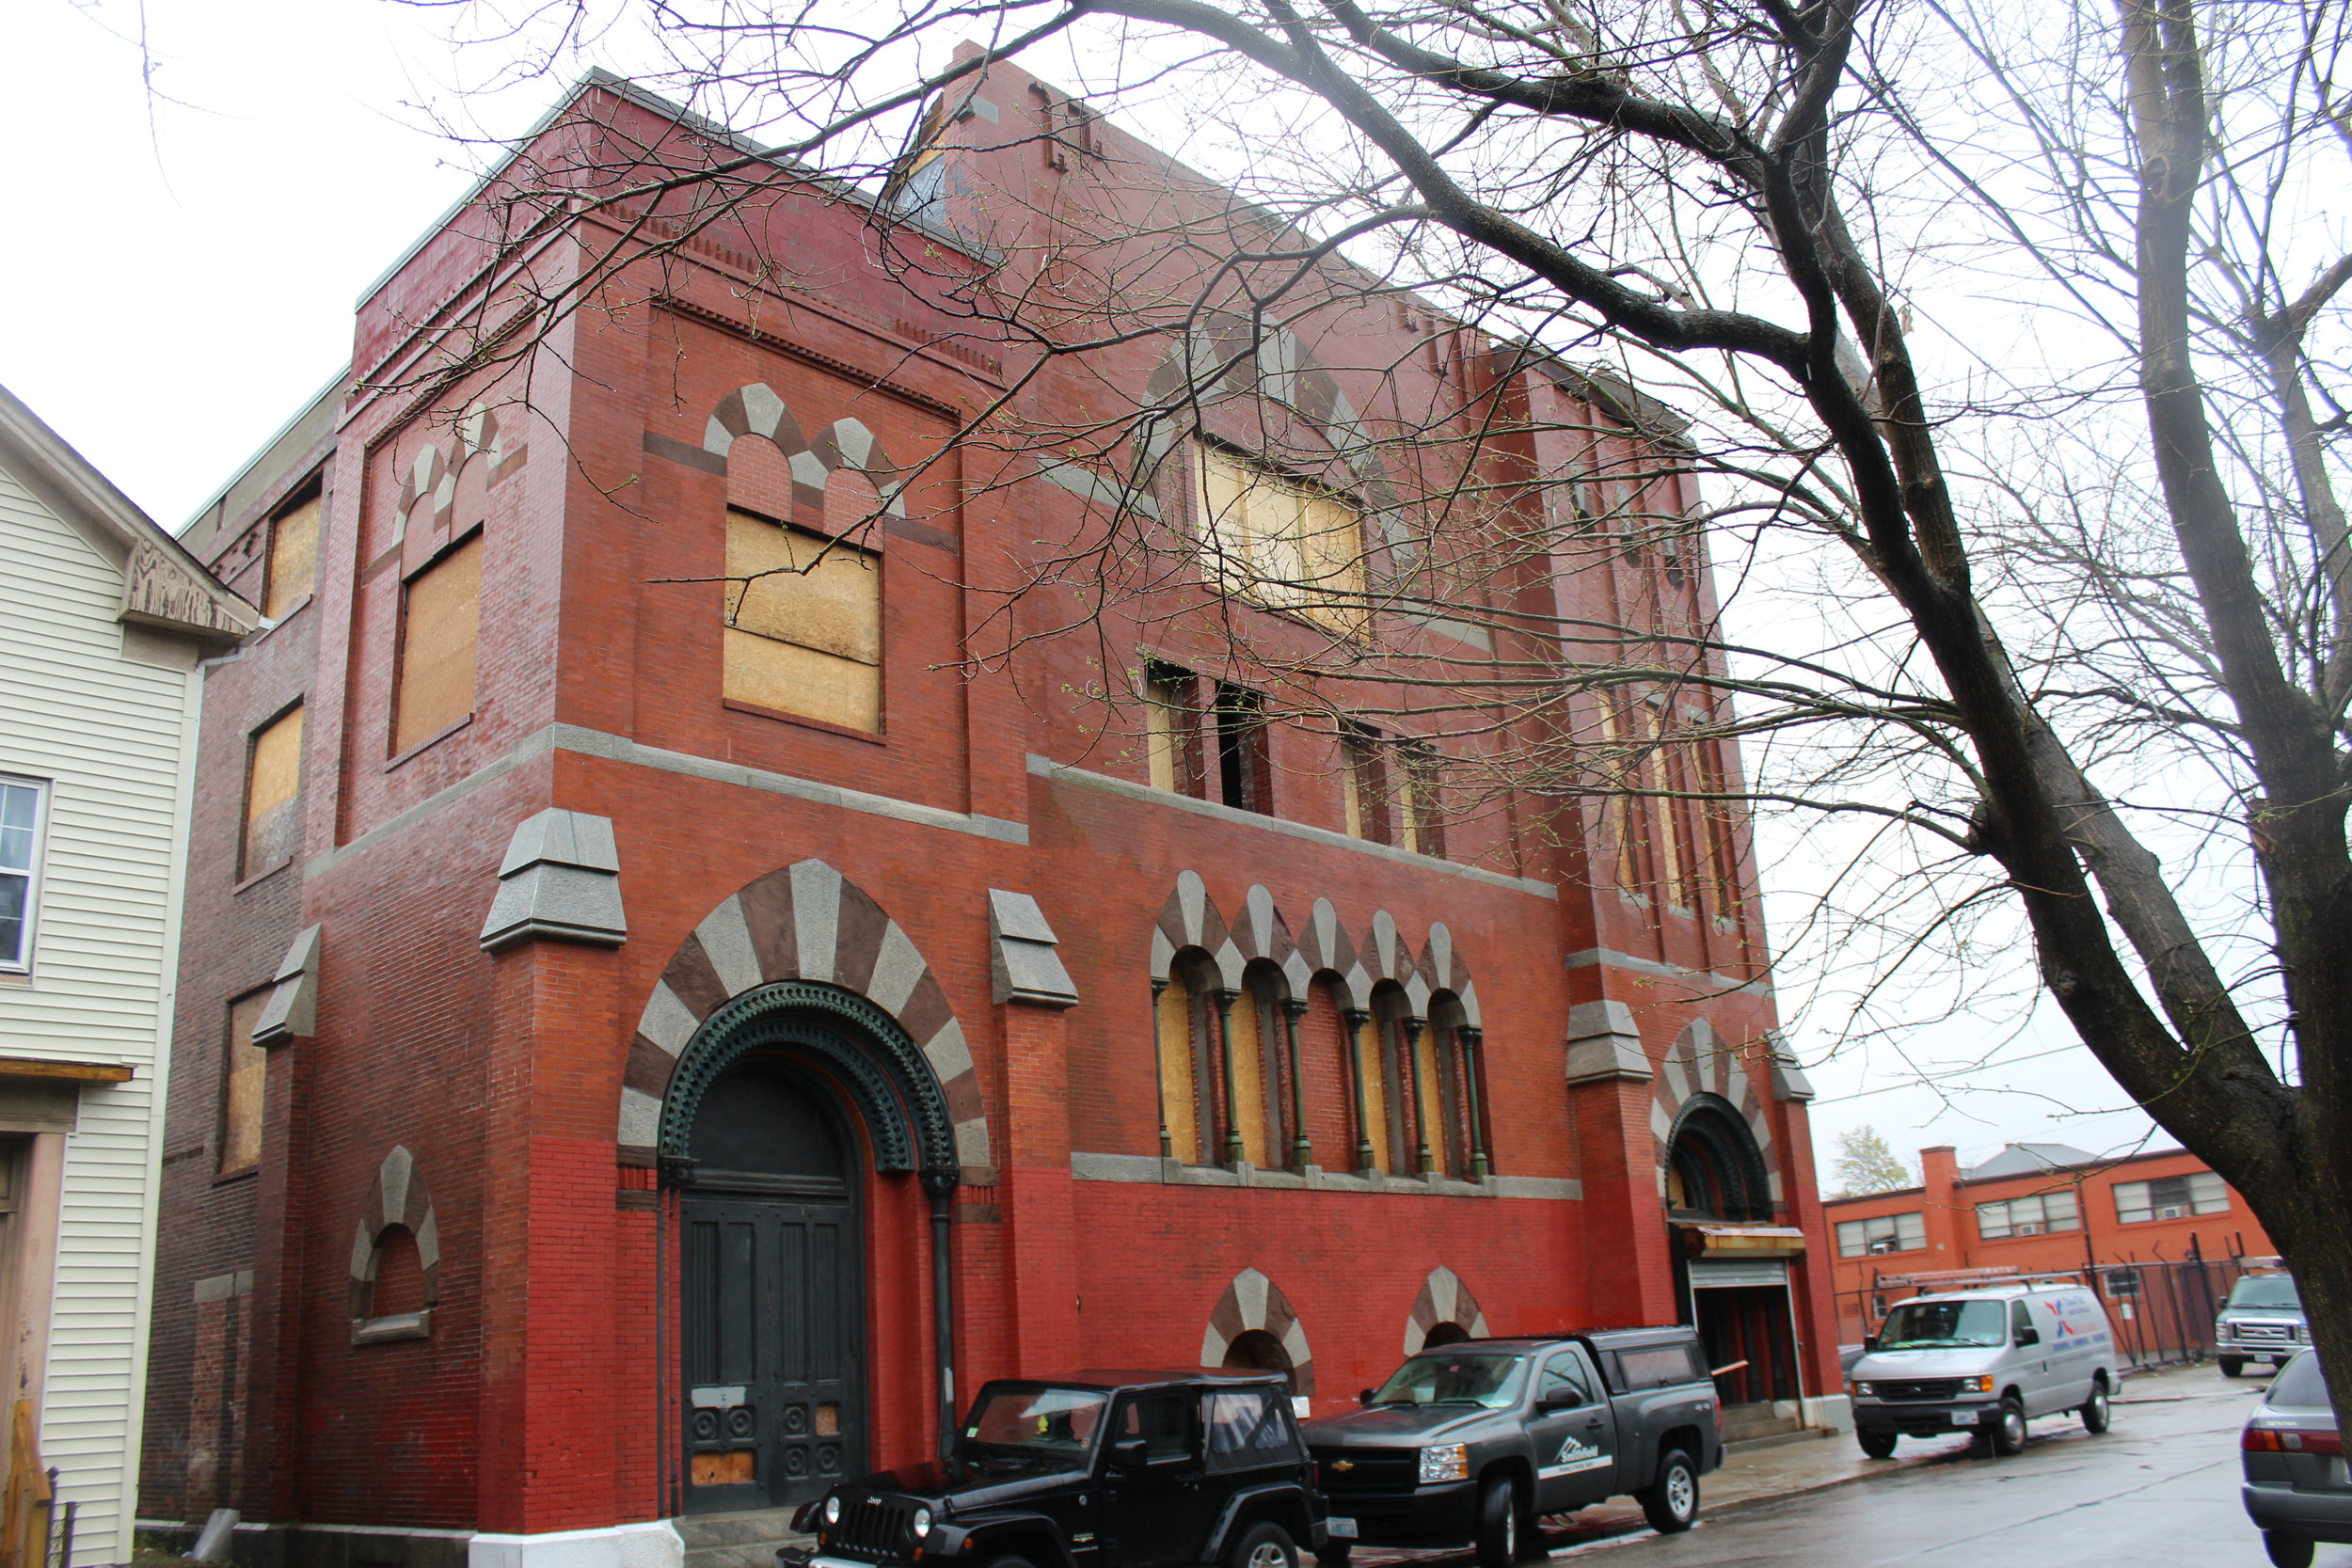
point(1574, 1434)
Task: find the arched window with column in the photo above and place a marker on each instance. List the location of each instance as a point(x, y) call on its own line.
point(1191, 1061)
point(1400, 1035)
point(1453, 1042)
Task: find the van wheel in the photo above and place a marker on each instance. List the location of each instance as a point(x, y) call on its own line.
point(2231, 1365)
point(1671, 1503)
point(1877, 1445)
point(2287, 1551)
point(2095, 1411)
point(2009, 1429)
point(1497, 1526)
point(1266, 1545)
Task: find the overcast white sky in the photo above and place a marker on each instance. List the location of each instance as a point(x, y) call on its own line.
point(183, 278)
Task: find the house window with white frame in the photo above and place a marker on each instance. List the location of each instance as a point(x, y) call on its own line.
point(1882, 1233)
point(22, 808)
point(2027, 1217)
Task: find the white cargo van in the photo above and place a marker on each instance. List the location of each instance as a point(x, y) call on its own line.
point(1984, 1361)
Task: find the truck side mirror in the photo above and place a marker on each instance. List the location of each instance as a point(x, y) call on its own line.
point(1131, 1453)
point(1869, 1344)
point(1363, 1397)
point(1559, 1399)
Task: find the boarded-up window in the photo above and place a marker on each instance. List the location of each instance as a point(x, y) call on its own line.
point(294, 558)
point(803, 623)
point(440, 626)
point(1421, 812)
point(242, 1075)
point(1281, 540)
point(272, 794)
point(1171, 714)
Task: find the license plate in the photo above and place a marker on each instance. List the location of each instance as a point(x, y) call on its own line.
point(1963, 1417)
point(1341, 1530)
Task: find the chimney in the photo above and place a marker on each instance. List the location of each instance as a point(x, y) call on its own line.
point(1939, 1171)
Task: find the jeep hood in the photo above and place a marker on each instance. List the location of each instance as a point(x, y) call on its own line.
point(971, 1481)
point(1396, 1425)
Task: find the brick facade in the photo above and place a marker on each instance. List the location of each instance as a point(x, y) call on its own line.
point(528, 1084)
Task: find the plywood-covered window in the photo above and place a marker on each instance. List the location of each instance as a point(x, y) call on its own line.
point(440, 634)
point(272, 794)
point(1171, 718)
point(1281, 540)
point(293, 557)
point(1363, 794)
point(803, 623)
point(1420, 803)
point(244, 1070)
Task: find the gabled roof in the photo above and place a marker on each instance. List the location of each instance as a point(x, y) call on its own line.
point(162, 585)
point(2028, 1159)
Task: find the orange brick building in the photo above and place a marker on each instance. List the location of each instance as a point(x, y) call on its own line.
point(2031, 1208)
point(616, 903)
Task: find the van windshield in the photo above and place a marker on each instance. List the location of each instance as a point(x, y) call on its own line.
point(1945, 1325)
point(2267, 1290)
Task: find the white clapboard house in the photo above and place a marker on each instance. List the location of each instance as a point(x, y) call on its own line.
point(103, 619)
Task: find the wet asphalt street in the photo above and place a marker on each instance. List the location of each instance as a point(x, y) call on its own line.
point(2159, 1489)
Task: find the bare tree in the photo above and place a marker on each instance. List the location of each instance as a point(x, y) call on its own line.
point(2045, 584)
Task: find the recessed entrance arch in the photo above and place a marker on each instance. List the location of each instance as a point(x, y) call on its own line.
point(764, 1133)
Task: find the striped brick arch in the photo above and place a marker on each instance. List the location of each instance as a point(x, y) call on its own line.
point(1443, 1299)
point(756, 410)
point(398, 1197)
point(1253, 1303)
point(806, 922)
point(1699, 1062)
point(1191, 920)
point(434, 472)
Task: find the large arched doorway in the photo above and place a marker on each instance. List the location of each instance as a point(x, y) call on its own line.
point(767, 1125)
point(1716, 1182)
point(771, 1278)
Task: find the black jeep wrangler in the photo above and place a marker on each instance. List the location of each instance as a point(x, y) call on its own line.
point(1102, 1470)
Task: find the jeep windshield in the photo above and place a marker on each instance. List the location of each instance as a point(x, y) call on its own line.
point(2274, 1291)
point(1945, 1325)
point(1481, 1378)
point(1058, 1425)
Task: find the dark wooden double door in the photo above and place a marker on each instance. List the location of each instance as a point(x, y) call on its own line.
point(772, 1326)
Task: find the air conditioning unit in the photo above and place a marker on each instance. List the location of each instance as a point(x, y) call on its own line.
point(2029, 1230)
point(2173, 1211)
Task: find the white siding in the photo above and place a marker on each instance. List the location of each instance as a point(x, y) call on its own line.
point(114, 737)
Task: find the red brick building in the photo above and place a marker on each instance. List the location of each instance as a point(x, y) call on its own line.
point(2032, 1208)
point(616, 900)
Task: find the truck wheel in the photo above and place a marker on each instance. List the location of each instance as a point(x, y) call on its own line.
point(2287, 1551)
point(1497, 1526)
point(1008, 1561)
point(1333, 1555)
point(2231, 1365)
point(2095, 1411)
point(1671, 1503)
point(2008, 1428)
point(1877, 1445)
point(1266, 1545)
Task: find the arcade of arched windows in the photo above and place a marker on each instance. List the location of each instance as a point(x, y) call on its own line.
point(1287, 1053)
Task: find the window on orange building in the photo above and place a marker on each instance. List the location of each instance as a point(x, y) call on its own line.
point(2027, 1217)
point(1882, 1233)
point(2171, 1198)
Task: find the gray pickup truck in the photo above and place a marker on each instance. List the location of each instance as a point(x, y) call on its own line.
point(1472, 1442)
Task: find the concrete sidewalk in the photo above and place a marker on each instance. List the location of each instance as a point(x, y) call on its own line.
point(1790, 1468)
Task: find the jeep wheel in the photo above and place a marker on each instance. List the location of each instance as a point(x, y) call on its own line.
point(1671, 1503)
point(1497, 1526)
point(1266, 1545)
point(2095, 1411)
point(2231, 1365)
point(2287, 1551)
point(1877, 1445)
point(2008, 1428)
